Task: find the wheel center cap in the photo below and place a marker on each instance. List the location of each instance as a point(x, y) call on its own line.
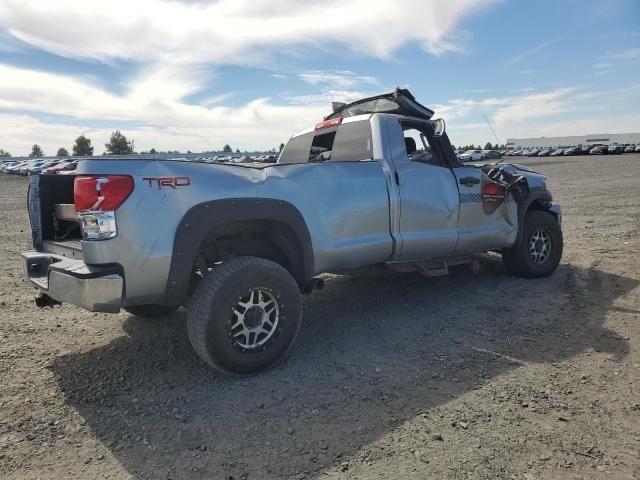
point(253, 318)
point(539, 245)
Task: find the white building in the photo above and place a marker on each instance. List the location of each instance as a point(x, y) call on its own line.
point(576, 140)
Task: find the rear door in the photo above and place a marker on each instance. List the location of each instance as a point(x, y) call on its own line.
point(331, 176)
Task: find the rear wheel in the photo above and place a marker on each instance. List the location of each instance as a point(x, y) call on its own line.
point(150, 310)
point(540, 250)
point(244, 315)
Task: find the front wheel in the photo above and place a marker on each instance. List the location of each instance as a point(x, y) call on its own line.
point(540, 249)
point(244, 315)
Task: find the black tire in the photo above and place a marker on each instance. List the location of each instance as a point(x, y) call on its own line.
point(150, 311)
point(214, 320)
point(518, 259)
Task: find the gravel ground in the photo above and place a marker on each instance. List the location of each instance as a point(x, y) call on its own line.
point(481, 376)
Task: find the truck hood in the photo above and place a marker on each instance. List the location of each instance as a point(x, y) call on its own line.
point(400, 102)
point(534, 180)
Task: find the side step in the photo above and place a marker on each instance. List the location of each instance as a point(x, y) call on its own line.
point(433, 269)
point(437, 267)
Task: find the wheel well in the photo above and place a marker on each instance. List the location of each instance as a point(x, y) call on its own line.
point(269, 239)
point(542, 205)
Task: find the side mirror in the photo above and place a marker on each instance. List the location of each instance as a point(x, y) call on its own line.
point(439, 127)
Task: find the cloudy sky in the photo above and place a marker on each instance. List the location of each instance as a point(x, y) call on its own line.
point(196, 74)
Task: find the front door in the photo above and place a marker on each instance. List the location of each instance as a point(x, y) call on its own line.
point(428, 196)
point(488, 217)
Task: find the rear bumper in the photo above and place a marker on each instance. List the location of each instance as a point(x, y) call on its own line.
point(97, 289)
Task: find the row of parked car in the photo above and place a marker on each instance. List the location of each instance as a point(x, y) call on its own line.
point(477, 155)
point(68, 165)
point(38, 165)
point(587, 150)
point(63, 166)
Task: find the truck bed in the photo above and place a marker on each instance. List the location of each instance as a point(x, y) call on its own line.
point(247, 161)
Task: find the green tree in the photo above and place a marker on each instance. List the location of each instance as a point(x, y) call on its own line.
point(82, 147)
point(281, 147)
point(62, 152)
point(488, 146)
point(237, 150)
point(119, 144)
point(4, 153)
point(36, 151)
point(227, 149)
point(153, 151)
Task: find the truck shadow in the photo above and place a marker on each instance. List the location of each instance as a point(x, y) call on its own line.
point(373, 353)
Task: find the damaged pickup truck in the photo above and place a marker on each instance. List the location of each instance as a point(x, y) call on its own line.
point(374, 185)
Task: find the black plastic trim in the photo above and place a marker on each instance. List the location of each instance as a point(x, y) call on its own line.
point(535, 195)
point(203, 218)
point(93, 271)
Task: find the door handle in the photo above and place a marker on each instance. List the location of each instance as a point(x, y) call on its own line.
point(469, 181)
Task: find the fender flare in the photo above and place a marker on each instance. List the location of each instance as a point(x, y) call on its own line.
point(205, 217)
point(538, 195)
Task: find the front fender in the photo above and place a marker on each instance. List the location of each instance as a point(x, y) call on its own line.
point(540, 199)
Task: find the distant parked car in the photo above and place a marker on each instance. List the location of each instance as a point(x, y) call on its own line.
point(472, 156)
point(14, 167)
point(29, 164)
point(534, 152)
point(557, 153)
point(581, 150)
point(54, 169)
point(616, 149)
point(491, 154)
point(570, 151)
point(44, 166)
point(637, 148)
point(599, 150)
point(68, 168)
point(545, 152)
point(630, 149)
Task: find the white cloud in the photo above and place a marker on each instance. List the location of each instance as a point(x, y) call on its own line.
point(531, 52)
point(152, 100)
point(479, 90)
point(326, 96)
point(534, 105)
point(336, 78)
point(231, 31)
point(561, 111)
point(172, 42)
point(505, 111)
point(630, 54)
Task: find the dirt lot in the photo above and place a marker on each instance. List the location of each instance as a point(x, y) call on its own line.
point(467, 376)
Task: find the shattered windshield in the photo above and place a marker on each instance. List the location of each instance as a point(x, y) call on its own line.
point(400, 102)
point(379, 105)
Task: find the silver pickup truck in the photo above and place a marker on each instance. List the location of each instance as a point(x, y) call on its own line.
point(376, 185)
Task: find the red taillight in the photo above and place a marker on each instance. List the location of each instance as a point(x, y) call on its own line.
point(329, 123)
point(101, 192)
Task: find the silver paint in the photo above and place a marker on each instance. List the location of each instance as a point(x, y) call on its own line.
point(356, 213)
